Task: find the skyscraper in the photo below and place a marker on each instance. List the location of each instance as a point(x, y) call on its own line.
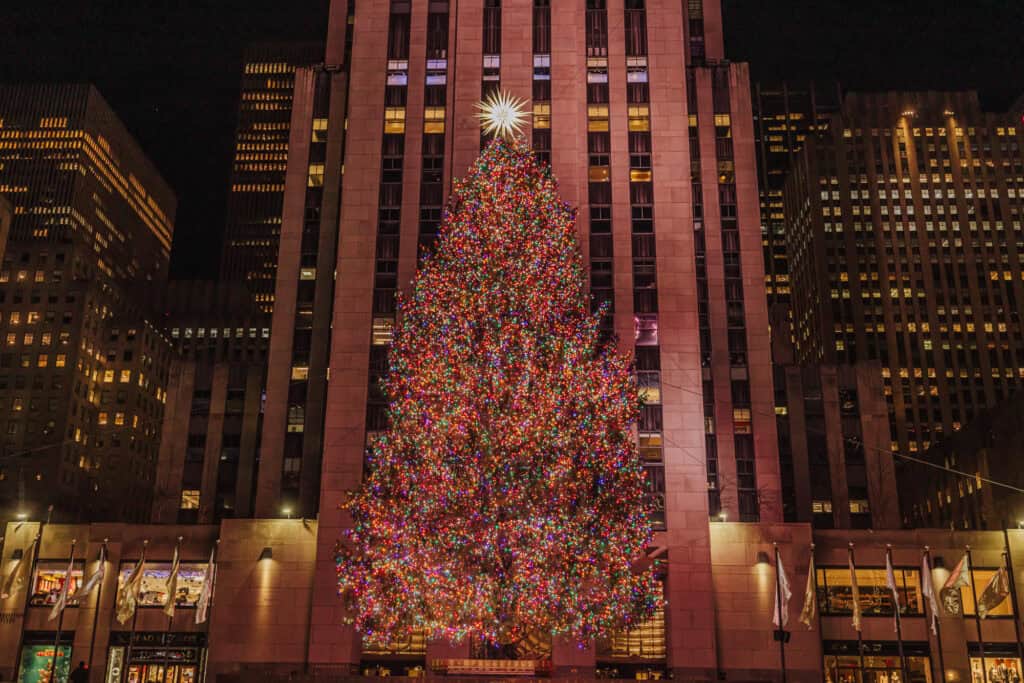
point(258, 164)
point(904, 237)
point(784, 115)
point(82, 368)
point(650, 133)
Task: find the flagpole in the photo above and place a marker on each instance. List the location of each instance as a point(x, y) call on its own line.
point(60, 615)
point(817, 607)
point(29, 587)
point(209, 605)
point(135, 613)
point(856, 610)
point(96, 611)
point(899, 621)
point(781, 633)
point(935, 617)
point(1013, 591)
point(977, 613)
point(170, 601)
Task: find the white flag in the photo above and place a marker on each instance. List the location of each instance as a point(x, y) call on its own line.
point(890, 582)
point(928, 590)
point(128, 593)
point(203, 606)
point(810, 599)
point(18, 577)
point(171, 588)
point(782, 595)
point(855, 595)
point(95, 579)
point(62, 596)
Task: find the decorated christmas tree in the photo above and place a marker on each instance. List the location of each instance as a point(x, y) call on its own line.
point(506, 499)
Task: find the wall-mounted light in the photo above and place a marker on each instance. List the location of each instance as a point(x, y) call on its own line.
point(22, 516)
point(762, 557)
point(267, 553)
point(722, 516)
point(287, 512)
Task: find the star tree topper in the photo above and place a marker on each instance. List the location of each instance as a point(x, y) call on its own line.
point(502, 115)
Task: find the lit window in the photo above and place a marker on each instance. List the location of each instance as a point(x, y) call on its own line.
point(42, 361)
point(639, 118)
point(126, 376)
point(542, 115)
point(190, 499)
point(119, 419)
point(300, 373)
point(307, 274)
point(108, 376)
point(394, 120)
point(102, 419)
point(316, 175)
point(319, 130)
point(61, 360)
point(433, 120)
point(597, 118)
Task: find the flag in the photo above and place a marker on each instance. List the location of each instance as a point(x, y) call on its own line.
point(928, 590)
point(995, 592)
point(206, 593)
point(854, 594)
point(890, 582)
point(95, 579)
point(128, 593)
point(18, 577)
point(171, 587)
point(62, 597)
point(782, 595)
point(950, 593)
point(810, 600)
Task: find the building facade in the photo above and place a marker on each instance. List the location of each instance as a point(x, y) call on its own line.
point(904, 235)
point(262, 625)
point(784, 115)
point(649, 131)
point(256, 190)
point(206, 470)
point(83, 370)
point(6, 216)
point(987, 494)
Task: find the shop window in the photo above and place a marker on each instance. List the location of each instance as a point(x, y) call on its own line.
point(49, 579)
point(37, 663)
point(1000, 663)
point(646, 641)
point(835, 593)
point(879, 669)
point(981, 580)
point(412, 644)
point(154, 582)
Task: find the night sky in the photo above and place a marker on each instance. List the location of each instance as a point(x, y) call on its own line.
point(171, 69)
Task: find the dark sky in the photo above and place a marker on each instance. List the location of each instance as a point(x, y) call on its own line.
point(170, 68)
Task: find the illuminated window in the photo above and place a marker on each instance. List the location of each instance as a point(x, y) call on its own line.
point(119, 419)
point(981, 580)
point(542, 115)
point(316, 175)
point(300, 373)
point(108, 376)
point(126, 376)
point(61, 360)
point(42, 360)
point(646, 640)
point(190, 499)
point(835, 593)
point(383, 330)
point(102, 418)
point(433, 120)
point(12, 339)
point(319, 130)
point(394, 120)
point(639, 118)
point(597, 118)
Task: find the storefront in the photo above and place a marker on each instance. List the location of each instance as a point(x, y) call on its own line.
point(878, 662)
point(1000, 661)
point(156, 658)
point(38, 658)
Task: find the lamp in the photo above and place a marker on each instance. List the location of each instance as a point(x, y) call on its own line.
point(762, 557)
point(22, 516)
point(286, 511)
point(267, 553)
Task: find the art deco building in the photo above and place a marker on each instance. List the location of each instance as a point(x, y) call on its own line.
point(83, 371)
point(904, 237)
point(784, 115)
point(649, 131)
point(256, 190)
point(211, 427)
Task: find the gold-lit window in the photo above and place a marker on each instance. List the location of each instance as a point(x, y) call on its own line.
point(300, 373)
point(42, 361)
point(646, 640)
point(383, 330)
point(542, 115)
point(597, 118)
point(599, 174)
point(61, 360)
point(433, 120)
point(639, 118)
point(102, 418)
point(307, 274)
point(12, 339)
point(126, 376)
point(319, 130)
point(639, 175)
point(119, 418)
point(190, 499)
point(981, 581)
point(108, 376)
point(835, 592)
point(394, 120)
point(316, 175)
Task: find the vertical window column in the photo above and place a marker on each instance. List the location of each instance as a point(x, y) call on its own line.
point(542, 80)
point(491, 55)
point(434, 126)
point(599, 165)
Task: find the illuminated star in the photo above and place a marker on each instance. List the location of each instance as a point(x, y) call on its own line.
point(502, 115)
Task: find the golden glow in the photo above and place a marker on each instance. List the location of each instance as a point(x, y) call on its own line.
point(502, 115)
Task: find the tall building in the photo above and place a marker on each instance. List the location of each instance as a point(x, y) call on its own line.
point(784, 115)
point(904, 237)
point(214, 408)
point(6, 215)
point(258, 164)
point(650, 133)
point(83, 370)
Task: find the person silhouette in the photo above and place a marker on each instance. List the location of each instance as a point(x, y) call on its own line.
point(80, 674)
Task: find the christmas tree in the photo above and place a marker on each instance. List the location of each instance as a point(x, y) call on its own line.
point(507, 498)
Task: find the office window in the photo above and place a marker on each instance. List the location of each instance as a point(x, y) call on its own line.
point(190, 499)
point(835, 592)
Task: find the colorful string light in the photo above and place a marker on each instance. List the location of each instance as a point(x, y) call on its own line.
point(507, 498)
